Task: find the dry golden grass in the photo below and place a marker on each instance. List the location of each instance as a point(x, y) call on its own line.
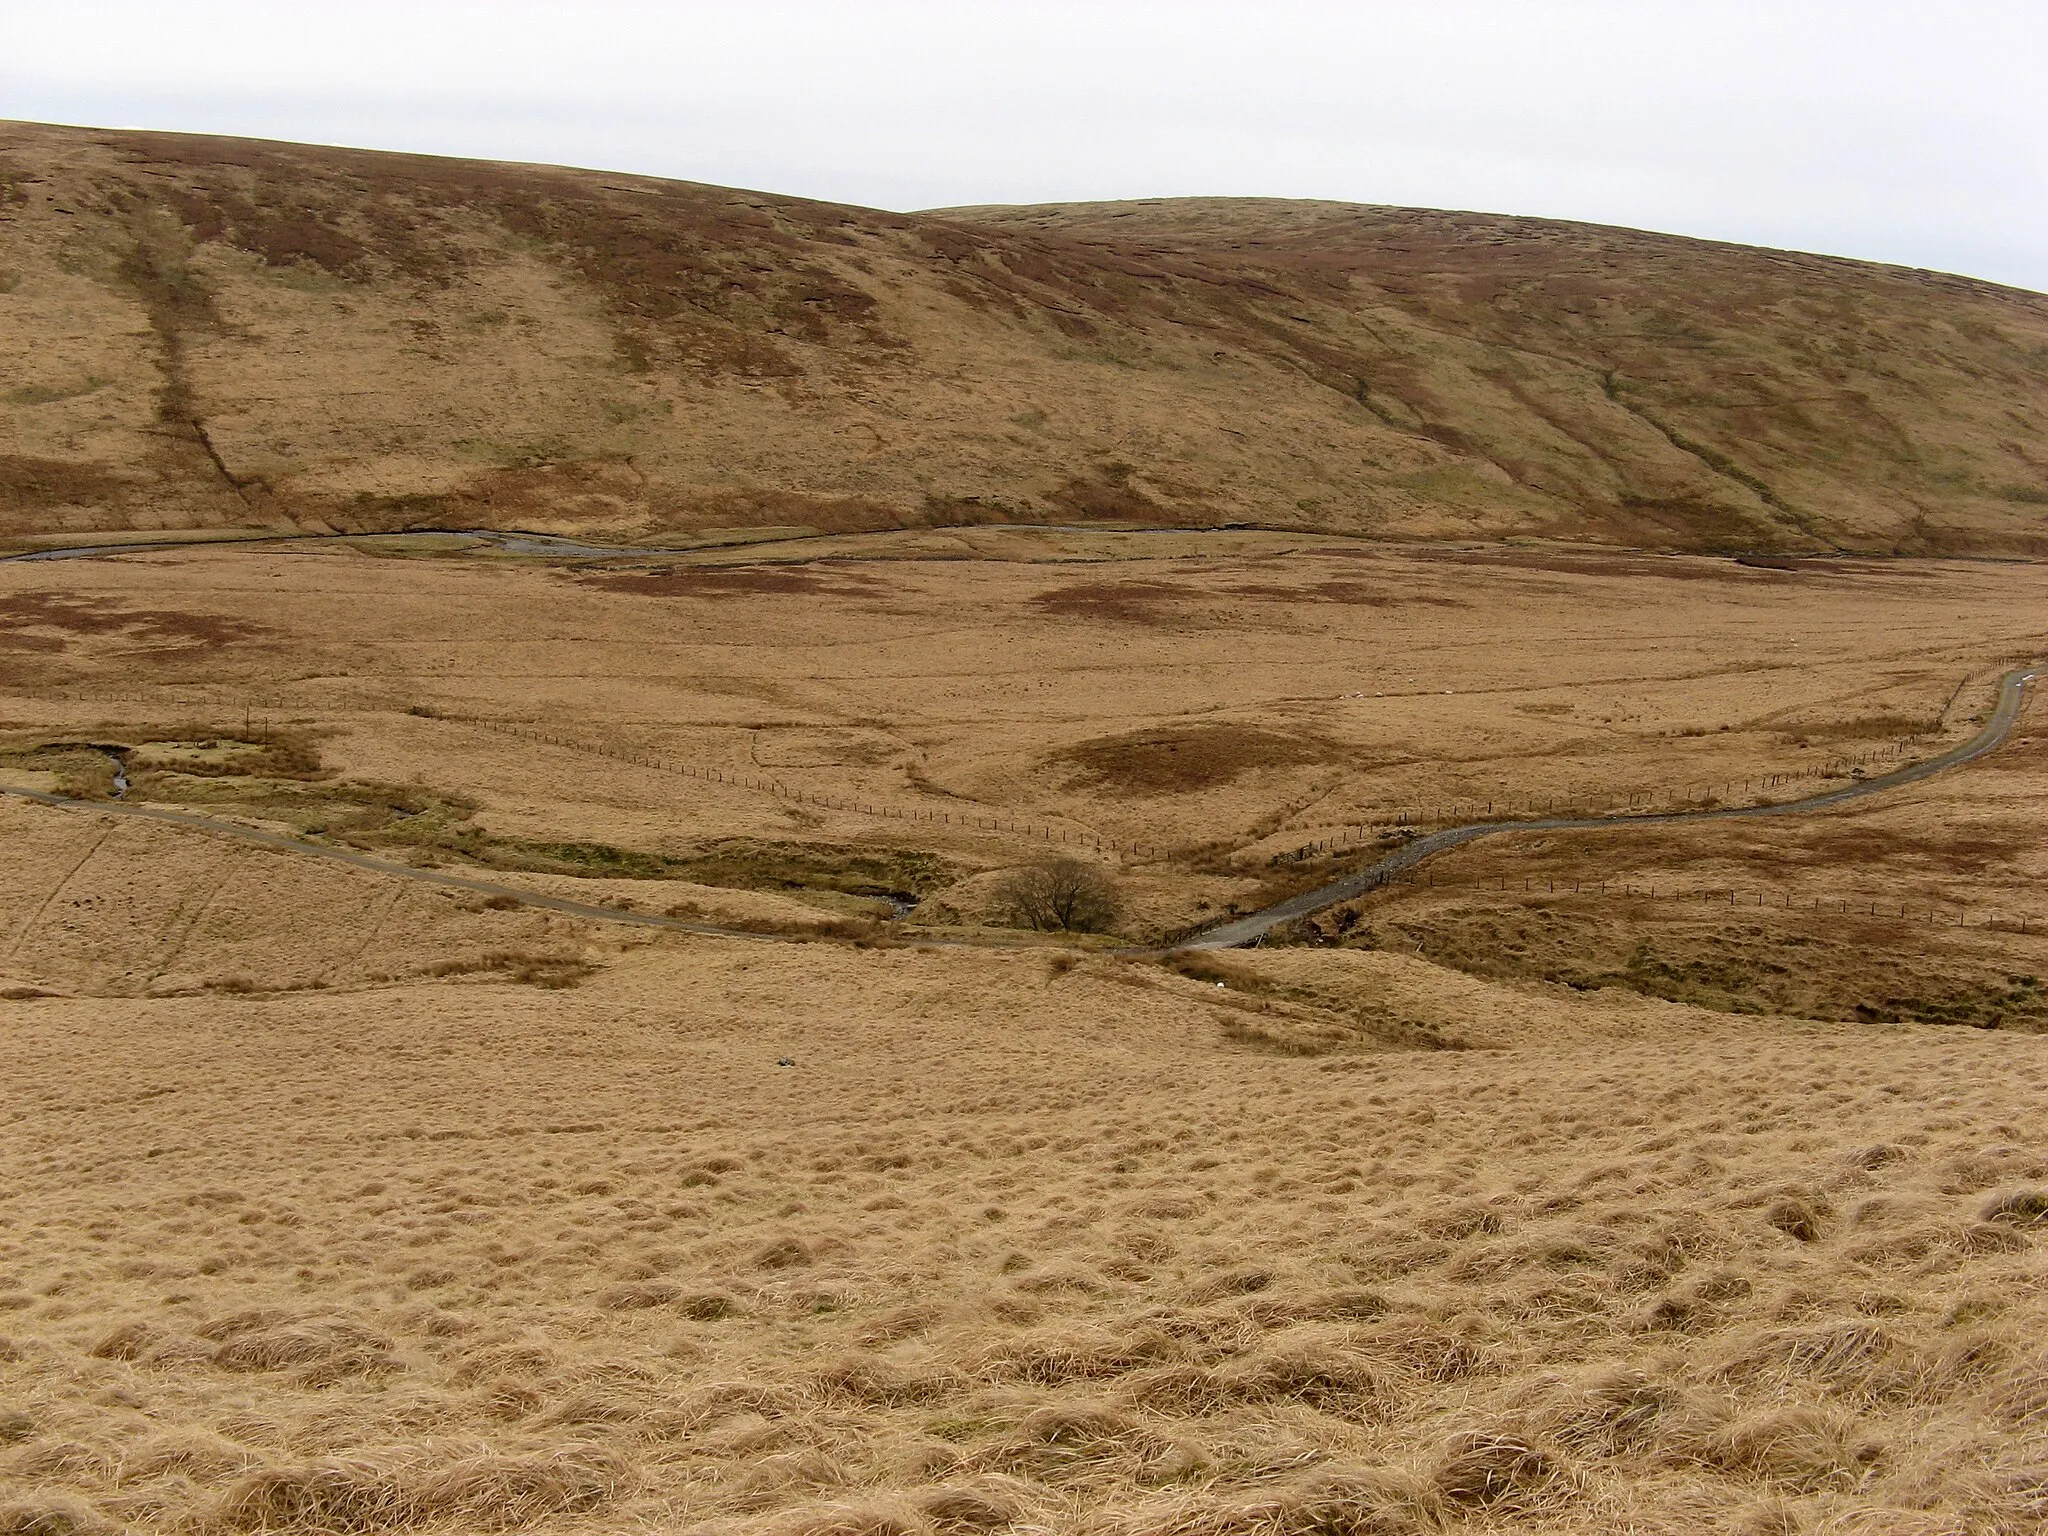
point(1248, 713)
point(212, 333)
point(1944, 883)
point(334, 1203)
point(1003, 1246)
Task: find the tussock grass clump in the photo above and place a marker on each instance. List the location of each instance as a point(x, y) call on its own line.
point(1610, 1410)
point(708, 1306)
point(900, 1323)
point(1284, 1037)
point(639, 1295)
point(1434, 1351)
point(870, 1382)
point(1088, 1442)
point(2017, 1207)
point(1317, 1307)
point(1315, 1368)
point(60, 1461)
point(719, 1401)
point(1498, 1466)
point(54, 1514)
point(479, 1489)
point(525, 1357)
point(201, 1457)
point(1239, 1280)
point(986, 1504)
point(782, 1475)
point(602, 1403)
point(318, 1350)
point(550, 970)
point(1052, 1279)
point(1799, 1449)
point(1058, 1357)
point(784, 1252)
point(868, 1518)
point(1457, 1222)
point(1851, 1358)
point(1354, 1501)
point(132, 1340)
point(2018, 1395)
point(1798, 1217)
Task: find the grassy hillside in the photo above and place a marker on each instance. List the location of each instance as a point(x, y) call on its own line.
point(200, 332)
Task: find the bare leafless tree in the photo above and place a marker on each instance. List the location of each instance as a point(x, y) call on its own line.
point(1059, 894)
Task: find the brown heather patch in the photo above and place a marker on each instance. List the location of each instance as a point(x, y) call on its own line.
point(1187, 759)
point(1956, 852)
point(155, 629)
point(1812, 964)
point(32, 488)
point(1166, 603)
point(282, 233)
point(711, 271)
point(1119, 602)
point(1362, 370)
point(793, 509)
point(1350, 593)
point(1108, 497)
point(736, 581)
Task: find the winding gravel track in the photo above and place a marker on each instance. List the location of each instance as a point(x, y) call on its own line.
point(1249, 929)
point(1238, 931)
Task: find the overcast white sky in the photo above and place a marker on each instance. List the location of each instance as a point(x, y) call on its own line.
point(1913, 133)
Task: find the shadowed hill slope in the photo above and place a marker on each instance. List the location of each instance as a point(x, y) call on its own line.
point(202, 332)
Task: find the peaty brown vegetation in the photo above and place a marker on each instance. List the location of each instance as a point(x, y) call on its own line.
point(223, 333)
point(338, 1202)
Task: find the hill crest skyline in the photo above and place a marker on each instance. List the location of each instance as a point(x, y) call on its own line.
point(222, 322)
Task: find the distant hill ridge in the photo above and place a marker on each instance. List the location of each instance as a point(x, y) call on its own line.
point(204, 332)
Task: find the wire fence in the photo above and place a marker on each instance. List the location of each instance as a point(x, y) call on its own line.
point(1064, 837)
point(1695, 794)
point(1049, 834)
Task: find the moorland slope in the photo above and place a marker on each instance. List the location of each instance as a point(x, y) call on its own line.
point(774, 1240)
point(203, 332)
